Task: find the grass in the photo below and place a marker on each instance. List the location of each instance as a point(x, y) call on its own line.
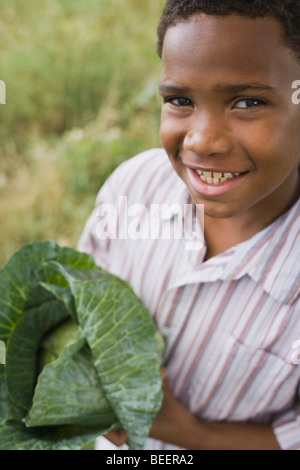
point(81, 97)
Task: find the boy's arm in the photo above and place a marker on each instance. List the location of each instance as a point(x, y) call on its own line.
point(176, 425)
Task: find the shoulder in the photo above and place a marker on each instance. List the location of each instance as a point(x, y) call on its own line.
point(145, 176)
point(274, 254)
point(149, 162)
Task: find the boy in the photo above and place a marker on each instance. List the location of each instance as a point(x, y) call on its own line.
point(230, 307)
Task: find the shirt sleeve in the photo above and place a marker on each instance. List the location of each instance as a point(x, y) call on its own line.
point(287, 427)
point(101, 228)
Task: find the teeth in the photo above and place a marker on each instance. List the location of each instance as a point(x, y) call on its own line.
point(212, 177)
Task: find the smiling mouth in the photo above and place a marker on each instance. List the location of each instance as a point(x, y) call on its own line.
point(212, 177)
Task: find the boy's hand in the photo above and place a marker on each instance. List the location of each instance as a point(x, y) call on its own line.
point(164, 421)
point(173, 421)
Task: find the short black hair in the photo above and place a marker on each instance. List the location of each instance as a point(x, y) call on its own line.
point(287, 12)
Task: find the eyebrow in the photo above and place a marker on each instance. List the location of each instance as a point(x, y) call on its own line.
point(229, 89)
point(240, 88)
point(172, 89)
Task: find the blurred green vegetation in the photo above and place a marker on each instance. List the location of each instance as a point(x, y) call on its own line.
point(81, 97)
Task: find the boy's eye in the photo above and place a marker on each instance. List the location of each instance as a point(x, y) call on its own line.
point(249, 103)
point(179, 101)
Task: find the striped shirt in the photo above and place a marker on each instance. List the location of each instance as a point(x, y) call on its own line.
point(232, 322)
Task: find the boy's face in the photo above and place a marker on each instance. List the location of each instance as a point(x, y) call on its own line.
point(227, 112)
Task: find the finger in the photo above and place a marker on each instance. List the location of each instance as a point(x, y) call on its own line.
point(117, 436)
point(163, 373)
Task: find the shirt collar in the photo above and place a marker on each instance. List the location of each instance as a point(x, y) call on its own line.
point(271, 257)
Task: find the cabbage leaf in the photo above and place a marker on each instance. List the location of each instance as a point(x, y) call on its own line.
point(82, 353)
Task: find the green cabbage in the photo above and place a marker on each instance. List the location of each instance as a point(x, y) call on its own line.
point(82, 353)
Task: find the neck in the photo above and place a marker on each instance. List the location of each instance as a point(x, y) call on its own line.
point(244, 226)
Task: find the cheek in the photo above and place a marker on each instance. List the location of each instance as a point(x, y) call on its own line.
point(273, 144)
point(166, 134)
point(171, 133)
point(282, 144)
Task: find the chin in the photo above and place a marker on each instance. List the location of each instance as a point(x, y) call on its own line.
point(218, 212)
point(217, 215)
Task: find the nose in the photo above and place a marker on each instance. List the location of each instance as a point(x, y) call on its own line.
point(208, 136)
